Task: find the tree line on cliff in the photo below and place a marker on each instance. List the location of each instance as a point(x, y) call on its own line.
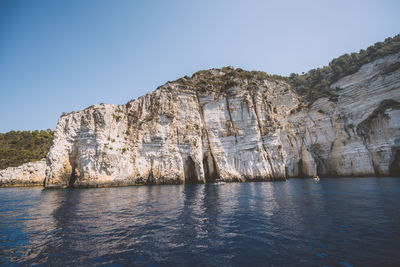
point(311, 85)
point(315, 83)
point(19, 147)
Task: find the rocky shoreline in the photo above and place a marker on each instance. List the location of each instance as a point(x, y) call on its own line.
point(22, 183)
point(28, 174)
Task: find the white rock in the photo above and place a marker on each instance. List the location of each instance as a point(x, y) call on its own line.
point(28, 174)
point(251, 131)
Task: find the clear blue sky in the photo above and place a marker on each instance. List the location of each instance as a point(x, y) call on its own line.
point(58, 56)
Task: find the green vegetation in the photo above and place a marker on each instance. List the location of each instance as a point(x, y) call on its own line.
point(117, 117)
point(316, 82)
point(149, 118)
point(392, 68)
point(311, 85)
point(226, 77)
point(18, 147)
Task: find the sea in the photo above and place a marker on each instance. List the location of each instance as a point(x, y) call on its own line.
point(298, 222)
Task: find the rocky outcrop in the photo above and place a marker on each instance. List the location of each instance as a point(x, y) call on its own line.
point(235, 128)
point(28, 174)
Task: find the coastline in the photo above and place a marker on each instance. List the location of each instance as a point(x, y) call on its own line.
point(112, 185)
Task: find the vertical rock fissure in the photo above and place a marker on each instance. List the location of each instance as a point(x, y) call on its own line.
point(205, 132)
point(301, 174)
point(73, 177)
point(371, 156)
point(230, 117)
point(261, 135)
point(394, 168)
point(209, 166)
point(150, 177)
point(320, 163)
point(190, 171)
point(73, 163)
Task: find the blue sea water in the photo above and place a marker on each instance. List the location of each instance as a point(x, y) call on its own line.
point(300, 222)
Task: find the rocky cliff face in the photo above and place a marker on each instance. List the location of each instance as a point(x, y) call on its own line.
point(234, 128)
point(28, 174)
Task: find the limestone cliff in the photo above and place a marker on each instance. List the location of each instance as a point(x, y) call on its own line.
point(28, 174)
point(234, 128)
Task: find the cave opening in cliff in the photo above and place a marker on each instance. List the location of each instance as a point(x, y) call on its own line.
point(301, 174)
point(210, 170)
point(150, 178)
point(394, 168)
point(190, 171)
point(73, 177)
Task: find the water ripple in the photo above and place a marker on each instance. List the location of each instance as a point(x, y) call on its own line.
point(337, 222)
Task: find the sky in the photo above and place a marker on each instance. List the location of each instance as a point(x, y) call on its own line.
point(64, 55)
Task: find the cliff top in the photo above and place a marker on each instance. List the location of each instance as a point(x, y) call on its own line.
point(311, 85)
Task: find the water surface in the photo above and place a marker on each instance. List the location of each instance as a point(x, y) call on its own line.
point(334, 222)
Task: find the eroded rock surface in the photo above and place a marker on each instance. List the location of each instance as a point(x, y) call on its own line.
point(28, 174)
point(206, 127)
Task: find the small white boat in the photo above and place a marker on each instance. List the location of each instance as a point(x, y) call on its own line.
point(219, 181)
point(316, 178)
